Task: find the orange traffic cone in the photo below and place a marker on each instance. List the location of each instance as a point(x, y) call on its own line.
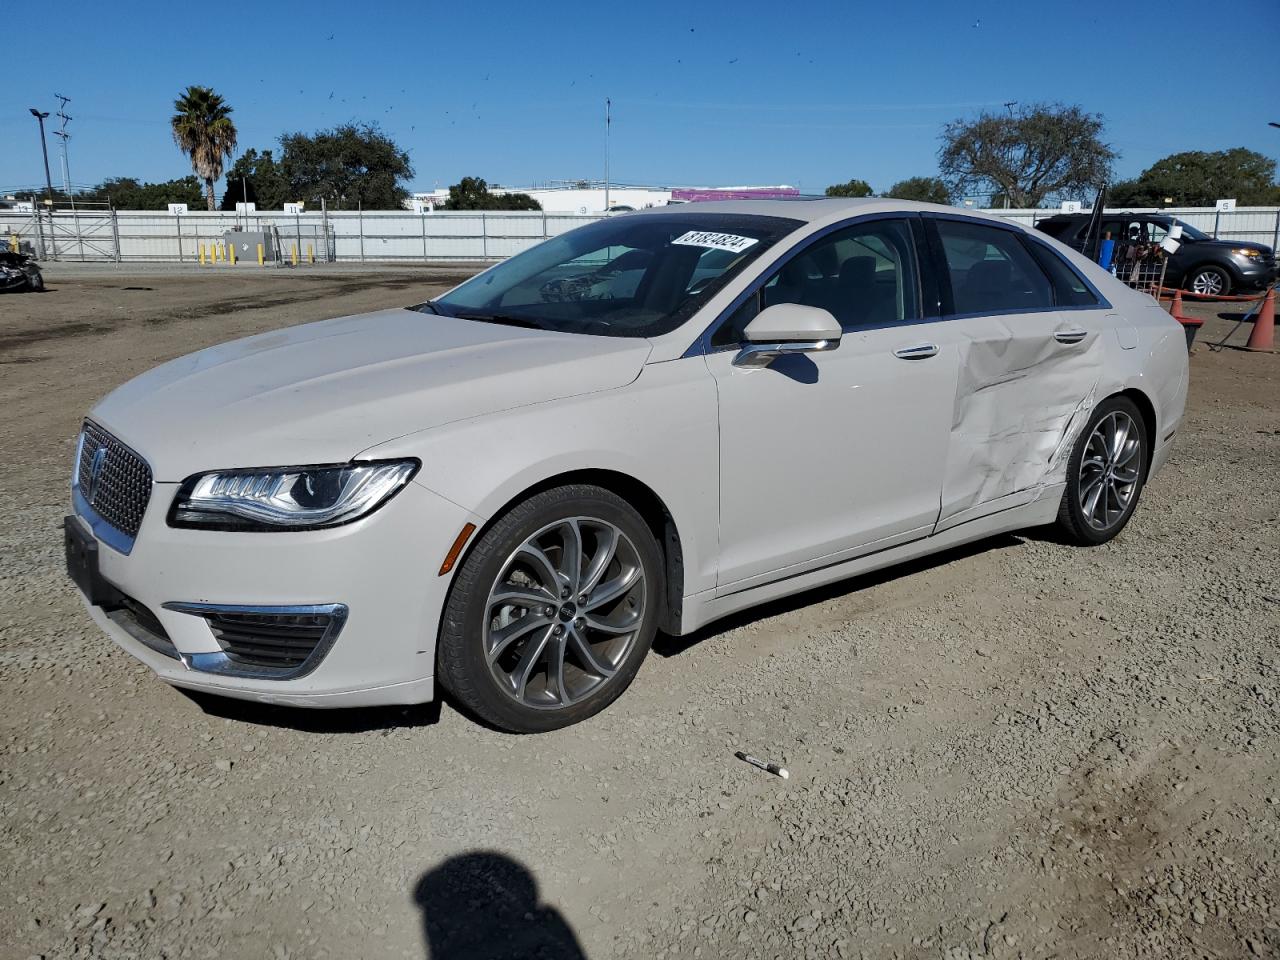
point(1264, 325)
point(1175, 309)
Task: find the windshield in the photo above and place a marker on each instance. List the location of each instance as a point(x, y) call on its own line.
point(1191, 233)
point(631, 276)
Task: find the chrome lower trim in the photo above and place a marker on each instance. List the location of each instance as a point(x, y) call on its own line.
point(222, 665)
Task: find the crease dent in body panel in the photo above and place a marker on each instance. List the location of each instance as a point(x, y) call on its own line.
point(1020, 405)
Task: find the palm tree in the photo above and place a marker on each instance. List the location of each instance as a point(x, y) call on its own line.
point(203, 130)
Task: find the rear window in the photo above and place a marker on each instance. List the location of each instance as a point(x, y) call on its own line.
point(1058, 229)
point(991, 271)
point(1069, 288)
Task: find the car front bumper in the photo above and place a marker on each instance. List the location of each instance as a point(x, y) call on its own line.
point(1255, 274)
point(382, 569)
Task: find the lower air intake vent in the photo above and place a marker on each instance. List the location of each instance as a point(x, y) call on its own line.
point(286, 640)
point(270, 642)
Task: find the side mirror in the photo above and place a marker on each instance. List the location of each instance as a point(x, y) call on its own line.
point(787, 328)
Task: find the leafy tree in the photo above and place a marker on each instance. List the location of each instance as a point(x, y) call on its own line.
point(1197, 178)
point(127, 193)
point(203, 130)
point(1041, 149)
point(348, 165)
point(924, 189)
point(472, 193)
point(854, 188)
point(257, 178)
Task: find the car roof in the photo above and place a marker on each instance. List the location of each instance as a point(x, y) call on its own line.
point(813, 209)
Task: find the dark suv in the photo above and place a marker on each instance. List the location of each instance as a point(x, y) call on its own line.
point(1202, 264)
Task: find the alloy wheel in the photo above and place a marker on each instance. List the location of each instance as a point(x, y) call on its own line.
point(1207, 282)
point(564, 612)
point(1110, 469)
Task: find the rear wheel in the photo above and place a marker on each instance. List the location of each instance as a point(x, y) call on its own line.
point(1209, 280)
point(1105, 475)
point(553, 611)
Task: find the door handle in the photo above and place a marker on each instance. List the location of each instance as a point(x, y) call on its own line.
point(1070, 336)
point(921, 351)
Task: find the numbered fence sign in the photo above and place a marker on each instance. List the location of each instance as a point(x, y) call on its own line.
point(177, 209)
point(1224, 206)
point(293, 209)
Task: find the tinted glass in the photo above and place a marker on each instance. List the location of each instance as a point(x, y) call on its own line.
point(1069, 288)
point(864, 275)
point(629, 276)
point(991, 271)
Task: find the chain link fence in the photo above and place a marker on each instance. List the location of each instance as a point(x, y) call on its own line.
point(390, 236)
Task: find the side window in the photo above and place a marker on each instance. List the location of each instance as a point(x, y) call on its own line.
point(991, 271)
point(1069, 289)
point(864, 275)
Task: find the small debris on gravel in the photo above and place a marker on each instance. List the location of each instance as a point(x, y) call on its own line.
point(986, 746)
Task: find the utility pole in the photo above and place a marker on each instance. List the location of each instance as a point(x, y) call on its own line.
point(608, 122)
point(44, 148)
point(62, 134)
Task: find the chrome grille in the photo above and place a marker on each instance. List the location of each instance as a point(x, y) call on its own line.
point(120, 492)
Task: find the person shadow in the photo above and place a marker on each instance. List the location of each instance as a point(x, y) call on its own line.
point(484, 906)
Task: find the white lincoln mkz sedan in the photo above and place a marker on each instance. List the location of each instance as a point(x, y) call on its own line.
point(643, 424)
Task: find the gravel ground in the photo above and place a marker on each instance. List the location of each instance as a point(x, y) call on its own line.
point(1016, 749)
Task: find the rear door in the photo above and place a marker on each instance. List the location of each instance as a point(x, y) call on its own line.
point(1030, 355)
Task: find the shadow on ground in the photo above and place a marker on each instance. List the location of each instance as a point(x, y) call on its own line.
point(484, 906)
point(667, 646)
point(346, 720)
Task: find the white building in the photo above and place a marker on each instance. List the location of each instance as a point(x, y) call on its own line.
point(588, 197)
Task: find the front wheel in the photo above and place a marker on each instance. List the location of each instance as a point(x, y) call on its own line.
point(553, 611)
point(1105, 474)
point(1209, 281)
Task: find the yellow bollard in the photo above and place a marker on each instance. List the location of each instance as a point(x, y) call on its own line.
point(202, 254)
point(231, 254)
point(13, 243)
point(217, 253)
point(295, 254)
point(311, 255)
point(262, 259)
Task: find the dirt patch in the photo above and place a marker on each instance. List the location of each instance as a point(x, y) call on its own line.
point(1014, 750)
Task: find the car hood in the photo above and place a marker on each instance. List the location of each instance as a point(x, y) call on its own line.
point(323, 392)
point(1228, 245)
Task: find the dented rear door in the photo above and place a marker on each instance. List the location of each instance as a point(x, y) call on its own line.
point(1028, 370)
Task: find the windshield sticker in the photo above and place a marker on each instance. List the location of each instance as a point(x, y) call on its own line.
point(714, 241)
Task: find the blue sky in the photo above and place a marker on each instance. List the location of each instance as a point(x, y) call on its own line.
point(703, 93)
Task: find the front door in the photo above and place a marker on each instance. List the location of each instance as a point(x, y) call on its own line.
point(828, 455)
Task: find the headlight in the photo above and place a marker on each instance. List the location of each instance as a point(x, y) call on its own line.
point(288, 498)
point(1249, 252)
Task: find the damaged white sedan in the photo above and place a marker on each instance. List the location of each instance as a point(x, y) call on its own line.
point(643, 424)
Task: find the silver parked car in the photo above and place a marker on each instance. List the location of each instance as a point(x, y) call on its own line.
point(643, 424)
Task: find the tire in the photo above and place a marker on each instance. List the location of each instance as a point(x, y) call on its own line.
point(529, 670)
point(1119, 479)
point(1208, 279)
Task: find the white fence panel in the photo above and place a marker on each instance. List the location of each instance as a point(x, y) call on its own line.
point(404, 236)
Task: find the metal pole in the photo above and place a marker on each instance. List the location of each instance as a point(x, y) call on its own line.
point(324, 225)
point(177, 222)
point(115, 233)
point(360, 212)
point(1275, 234)
point(297, 226)
point(608, 122)
point(484, 236)
point(39, 221)
point(424, 234)
point(1217, 215)
point(44, 149)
